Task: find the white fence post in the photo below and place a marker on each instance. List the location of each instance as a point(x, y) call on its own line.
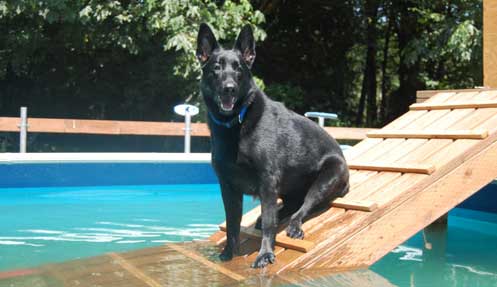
point(23, 130)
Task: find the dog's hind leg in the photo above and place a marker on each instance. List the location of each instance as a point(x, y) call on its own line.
point(332, 182)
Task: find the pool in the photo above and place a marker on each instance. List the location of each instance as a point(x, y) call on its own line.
point(75, 210)
point(41, 225)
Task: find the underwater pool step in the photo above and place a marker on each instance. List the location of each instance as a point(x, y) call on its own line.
point(201, 259)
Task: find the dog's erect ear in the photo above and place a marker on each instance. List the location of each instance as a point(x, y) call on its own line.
point(206, 43)
point(245, 43)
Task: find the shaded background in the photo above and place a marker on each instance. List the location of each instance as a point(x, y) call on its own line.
point(134, 60)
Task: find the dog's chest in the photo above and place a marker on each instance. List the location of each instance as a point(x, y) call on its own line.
point(235, 165)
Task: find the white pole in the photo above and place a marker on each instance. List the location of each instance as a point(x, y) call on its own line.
point(187, 130)
point(23, 130)
point(321, 121)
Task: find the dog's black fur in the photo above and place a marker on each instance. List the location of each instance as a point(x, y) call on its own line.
point(261, 148)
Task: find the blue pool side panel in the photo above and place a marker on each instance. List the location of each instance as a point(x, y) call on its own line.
point(93, 174)
point(101, 174)
point(484, 200)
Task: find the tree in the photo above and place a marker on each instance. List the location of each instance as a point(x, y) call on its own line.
point(107, 59)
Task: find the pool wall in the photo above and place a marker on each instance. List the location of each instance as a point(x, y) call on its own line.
point(93, 169)
point(97, 169)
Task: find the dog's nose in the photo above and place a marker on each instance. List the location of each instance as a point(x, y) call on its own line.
point(229, 88)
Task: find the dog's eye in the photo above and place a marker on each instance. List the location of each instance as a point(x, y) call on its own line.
point(237, 67)
point(217, 67)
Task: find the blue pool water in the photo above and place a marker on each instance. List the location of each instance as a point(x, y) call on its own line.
point(41, 225)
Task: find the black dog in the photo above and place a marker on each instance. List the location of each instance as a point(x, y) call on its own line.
point(261, 148)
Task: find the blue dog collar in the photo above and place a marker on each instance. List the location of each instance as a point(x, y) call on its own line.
point(233, 122)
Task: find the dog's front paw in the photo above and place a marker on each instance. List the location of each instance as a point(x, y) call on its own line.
point(226, 254)
point(263, 260)
point(294, 230)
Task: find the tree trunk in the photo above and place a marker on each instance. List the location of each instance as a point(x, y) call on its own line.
point(385, 79)
point(408, 73)
point(369, 80)
point(372, 16)
point(362, 102)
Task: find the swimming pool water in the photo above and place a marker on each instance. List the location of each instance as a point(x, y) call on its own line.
point(39, 225)
point(465, 255)
point(42, 225)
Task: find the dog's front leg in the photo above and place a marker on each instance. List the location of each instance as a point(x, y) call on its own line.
point(233, 206)
point(269, 196)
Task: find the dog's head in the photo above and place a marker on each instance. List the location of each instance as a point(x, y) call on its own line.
point(226, 75)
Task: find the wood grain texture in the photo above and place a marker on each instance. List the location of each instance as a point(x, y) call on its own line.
point(423, 169)
point(135, 271)
point(107, 127)
point(489, 43)
point(355, 204)
point(379, 238)
point(206, 262)
point(450, 106)
point(430, 134)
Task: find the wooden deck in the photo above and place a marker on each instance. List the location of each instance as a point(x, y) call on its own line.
point(139, 128)
point(403, 177)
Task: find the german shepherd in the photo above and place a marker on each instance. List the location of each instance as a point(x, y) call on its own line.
point(261, 148)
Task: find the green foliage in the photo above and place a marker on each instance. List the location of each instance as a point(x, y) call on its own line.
point(293, 96)
point(136, 59)
point(109, 59)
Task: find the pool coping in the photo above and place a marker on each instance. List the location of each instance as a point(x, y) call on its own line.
point(18, 158)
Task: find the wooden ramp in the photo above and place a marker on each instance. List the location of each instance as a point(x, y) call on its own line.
point(403, 177)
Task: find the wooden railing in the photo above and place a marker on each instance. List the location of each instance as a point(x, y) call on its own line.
point(78, 126)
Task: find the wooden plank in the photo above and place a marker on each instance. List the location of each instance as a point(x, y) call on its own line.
point(109, 127)
point(380, 150)
point(420, 168)
point(451, 106)
point(427, 119)
point(281, 240)
point(206, 262)
point(135, 271)
point(489, 43)
point(78, 126)
point(348, 133)
point(433, 134)
point(367, 187)
point(359, 177)
point(314, 224)
point(329, 277)
point(18, 273)
point(361, 148)
point(425, 95)
point(425, 151)
point(440, 96)
point(404, 120)
point(363, 205)
point(373, 185)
